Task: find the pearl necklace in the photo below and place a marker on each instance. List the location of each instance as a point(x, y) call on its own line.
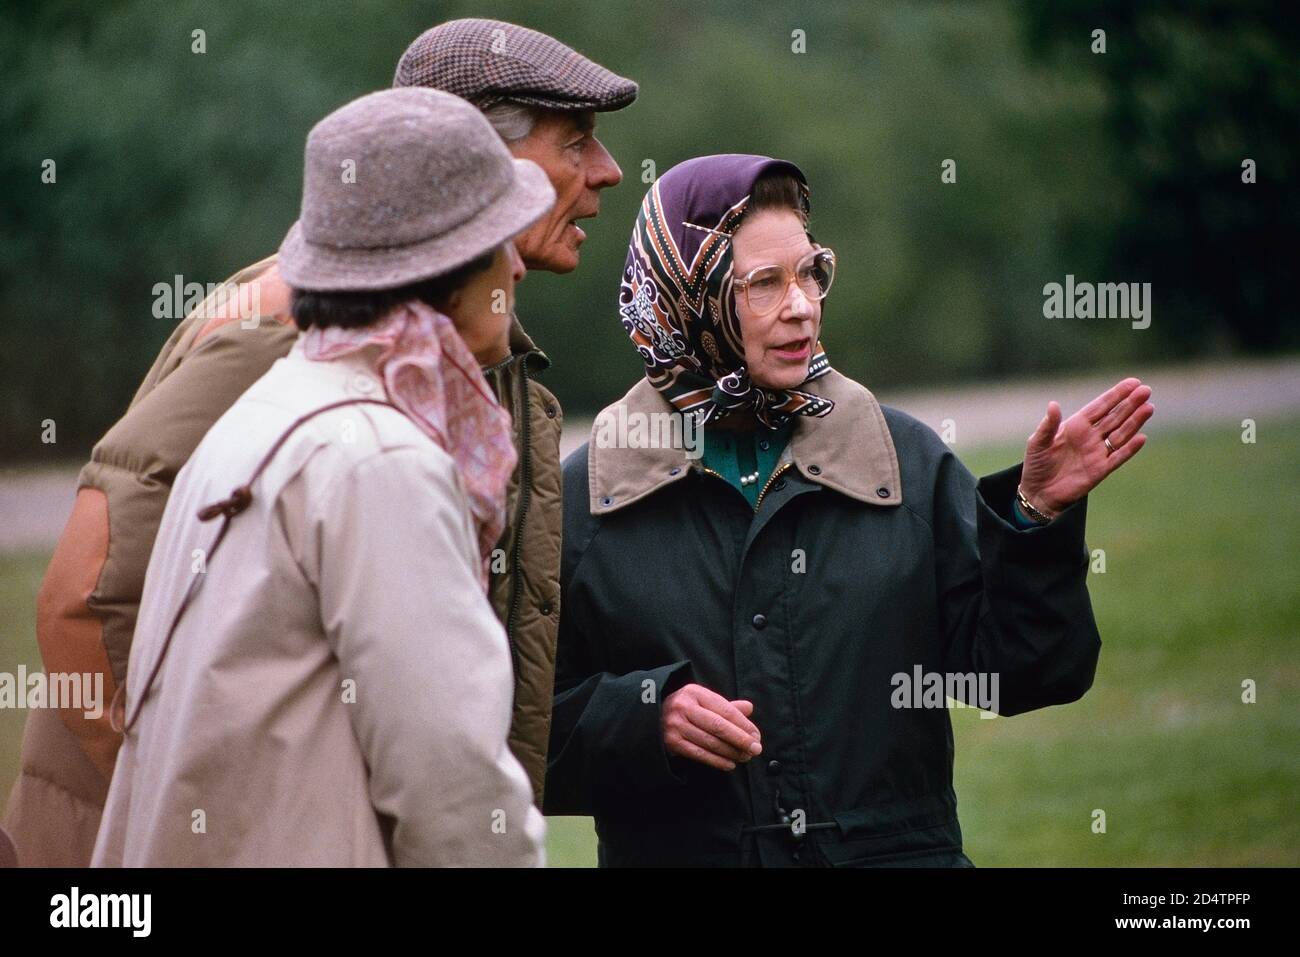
point(749, 479)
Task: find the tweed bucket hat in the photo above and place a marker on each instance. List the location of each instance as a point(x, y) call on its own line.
point(405, 185)
point(487, 61)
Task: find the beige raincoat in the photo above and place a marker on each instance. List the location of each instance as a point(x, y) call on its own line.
point(339, 690)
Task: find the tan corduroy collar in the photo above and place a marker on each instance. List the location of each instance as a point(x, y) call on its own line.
point(850, 450)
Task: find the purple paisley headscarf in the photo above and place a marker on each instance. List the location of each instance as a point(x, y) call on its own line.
point(676, 300)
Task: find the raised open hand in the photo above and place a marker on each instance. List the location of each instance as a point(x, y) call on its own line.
point(1066, 461)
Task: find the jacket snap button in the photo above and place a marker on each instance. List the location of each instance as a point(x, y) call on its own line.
point(814, 470)
point(363, 384)
point(550, 411)
point(765, 445)
point(882, 492)
point(674, 471)
point(773, 767)
point(547, 608)
point(606, 501)
point(778, 485)
point(760, 621)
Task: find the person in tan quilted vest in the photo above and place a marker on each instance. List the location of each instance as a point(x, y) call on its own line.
point(542, 98)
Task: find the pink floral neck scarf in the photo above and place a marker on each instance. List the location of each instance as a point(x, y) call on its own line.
point(430, 375)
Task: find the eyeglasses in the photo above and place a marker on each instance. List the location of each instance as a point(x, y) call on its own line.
point(764, 287)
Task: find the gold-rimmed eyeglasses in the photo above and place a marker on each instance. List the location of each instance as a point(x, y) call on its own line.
point(764, 287)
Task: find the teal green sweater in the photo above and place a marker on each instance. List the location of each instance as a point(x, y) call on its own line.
point(736, 454)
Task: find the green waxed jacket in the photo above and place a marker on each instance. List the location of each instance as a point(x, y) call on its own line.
point(872, 553)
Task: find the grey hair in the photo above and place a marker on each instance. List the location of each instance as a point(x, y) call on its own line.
point(512, 121)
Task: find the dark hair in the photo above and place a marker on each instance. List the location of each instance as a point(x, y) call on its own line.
point(778, 189)
point(353, 309)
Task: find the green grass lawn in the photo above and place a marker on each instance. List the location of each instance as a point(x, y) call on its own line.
point(20, 576)
point(1200, 592)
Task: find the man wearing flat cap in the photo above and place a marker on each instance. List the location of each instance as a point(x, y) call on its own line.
point(542, 98)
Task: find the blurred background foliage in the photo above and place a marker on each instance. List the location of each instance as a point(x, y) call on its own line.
point(1117, 167)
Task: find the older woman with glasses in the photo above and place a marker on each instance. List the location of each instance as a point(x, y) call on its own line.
point(760, 632)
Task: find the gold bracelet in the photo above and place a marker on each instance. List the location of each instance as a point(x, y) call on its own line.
point(1040, 517)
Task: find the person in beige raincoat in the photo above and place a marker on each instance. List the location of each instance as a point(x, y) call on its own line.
point(317, 676)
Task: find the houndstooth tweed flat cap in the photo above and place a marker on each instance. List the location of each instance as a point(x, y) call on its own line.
point(487, 61)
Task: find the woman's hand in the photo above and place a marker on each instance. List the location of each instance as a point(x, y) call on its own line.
point(704, 726)
point(1066, 461)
